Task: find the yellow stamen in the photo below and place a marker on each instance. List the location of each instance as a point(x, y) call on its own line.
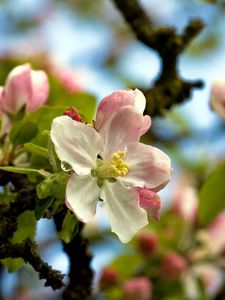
point(116, 167)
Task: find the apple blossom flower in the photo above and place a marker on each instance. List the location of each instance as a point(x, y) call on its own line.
point(217, 97)
point(173, 265)
point(24, 87)
point(108, 165)
point(139, 288)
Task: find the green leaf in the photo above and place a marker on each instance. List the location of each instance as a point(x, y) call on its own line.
point(131, 261)
point(52, 185)
point(36, 149)
point(23, 132)
point(69, 227)
point(41, 206)
point(212, 195)
point(25, 171)
point(26, 228)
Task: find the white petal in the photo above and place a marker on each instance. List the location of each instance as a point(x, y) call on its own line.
point(82, 194)
point(139, 101)
point(122, 208)
point(149, 167)
point(76, 143)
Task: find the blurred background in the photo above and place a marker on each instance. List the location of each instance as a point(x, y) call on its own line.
point(86, 46)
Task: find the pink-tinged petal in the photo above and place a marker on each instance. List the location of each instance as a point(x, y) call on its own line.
point(114, 102)
point(149, 167)
point(121, 206)
point(151, 202)
point(123, 128)
point(76, 143)
point(18, 89)
point(82, 194)
point(40, 90)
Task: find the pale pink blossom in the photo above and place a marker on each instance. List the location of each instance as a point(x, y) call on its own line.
point(24, 87)
point(217, 97)
point(108, 165)
point(114, 102)
point(173, 265)
point(185, 203)
point(139, 288)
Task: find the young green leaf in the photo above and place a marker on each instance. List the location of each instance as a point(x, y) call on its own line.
point(36, 149)
point(23, 132)
point(212, 195)
point(25, 171)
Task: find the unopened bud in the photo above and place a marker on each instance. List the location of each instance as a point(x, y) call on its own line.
point(173, 265)
point(147, 243)
point(108, 278)
point(73, 114)
point(139, 288)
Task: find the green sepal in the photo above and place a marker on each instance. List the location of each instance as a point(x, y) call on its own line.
point(54, 185)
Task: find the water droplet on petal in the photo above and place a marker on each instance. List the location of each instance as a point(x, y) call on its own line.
point(65, 166)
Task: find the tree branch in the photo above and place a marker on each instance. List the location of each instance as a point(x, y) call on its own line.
point(169, 88)
point(80, 275)
point(28, 251)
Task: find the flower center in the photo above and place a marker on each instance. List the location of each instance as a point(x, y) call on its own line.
point(112, 168)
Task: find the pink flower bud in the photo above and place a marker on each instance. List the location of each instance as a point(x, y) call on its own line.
point(73, 114)
point(108, 278)
point(139, 288)
point(147, 242)
point(151, 202)
point(24, 87)
point(117, 100)
point(173, 265)
point(217, 98)
point(185, 203)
